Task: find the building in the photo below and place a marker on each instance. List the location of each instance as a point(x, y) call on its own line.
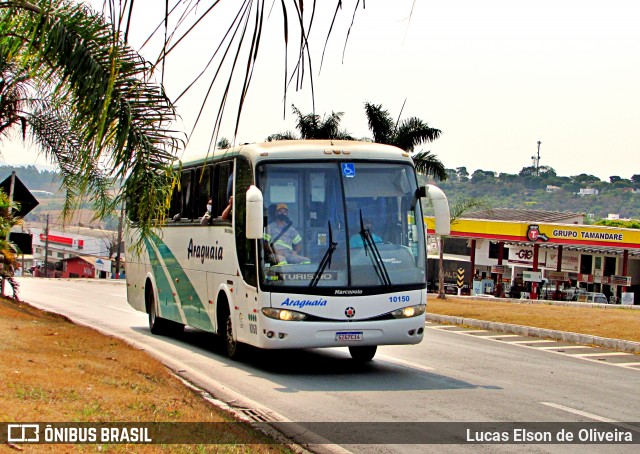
point(522, 249)
point(71, 243)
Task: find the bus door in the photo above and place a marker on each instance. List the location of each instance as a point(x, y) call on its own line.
point(246, 292)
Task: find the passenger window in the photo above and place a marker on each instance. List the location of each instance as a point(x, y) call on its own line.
point(182, 199)
point(204, 189)
point(222, 190)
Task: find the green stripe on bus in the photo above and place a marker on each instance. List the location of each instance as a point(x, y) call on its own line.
point(194, 311)
point(166, 301)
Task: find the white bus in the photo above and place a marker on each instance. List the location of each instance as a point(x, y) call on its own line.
point(357, 278)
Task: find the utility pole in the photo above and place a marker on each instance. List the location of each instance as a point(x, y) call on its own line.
point(46, 248)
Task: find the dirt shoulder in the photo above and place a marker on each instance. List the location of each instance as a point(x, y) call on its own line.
point(53, 370)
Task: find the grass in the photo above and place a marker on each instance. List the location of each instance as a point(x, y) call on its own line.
point(614, 322)
point(53, 370)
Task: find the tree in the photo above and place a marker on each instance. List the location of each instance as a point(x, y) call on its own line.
point(463, 174)
point(312, 126)
point(85, 98)
point(406, 135)
point(457, 211)
point(223, 143)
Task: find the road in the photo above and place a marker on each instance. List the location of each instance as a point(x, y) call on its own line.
point(450, 377)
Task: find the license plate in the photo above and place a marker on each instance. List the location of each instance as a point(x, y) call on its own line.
point(349, 336)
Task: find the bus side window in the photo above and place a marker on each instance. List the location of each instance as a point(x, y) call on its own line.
point(174, 208)
point(203, 184)
point(187, 206)
point(181, 199)
point(224, 171)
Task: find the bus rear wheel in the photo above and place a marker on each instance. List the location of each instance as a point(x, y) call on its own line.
point(159, 325)
point(363, 354)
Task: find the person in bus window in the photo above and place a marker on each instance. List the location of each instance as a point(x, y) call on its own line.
point(226, 213)
point(357, 241)
point(206, 218)
point(283, 240)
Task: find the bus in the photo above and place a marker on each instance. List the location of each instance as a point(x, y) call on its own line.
point(352, 213)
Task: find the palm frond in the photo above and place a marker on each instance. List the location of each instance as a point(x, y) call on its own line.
point(380, 122)
point(428, 164)
point(120, 119)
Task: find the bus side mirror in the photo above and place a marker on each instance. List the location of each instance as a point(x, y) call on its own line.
point(440, 209)
point(255, 221)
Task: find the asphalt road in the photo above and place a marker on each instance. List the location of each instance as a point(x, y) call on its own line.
point(454, 376)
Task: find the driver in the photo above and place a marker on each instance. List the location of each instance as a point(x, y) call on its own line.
point(356, 240)
point(284, 240)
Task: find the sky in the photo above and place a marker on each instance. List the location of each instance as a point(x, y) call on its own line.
point(495, 77)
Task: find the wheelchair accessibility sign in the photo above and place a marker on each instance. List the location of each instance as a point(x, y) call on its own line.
point(348, 169)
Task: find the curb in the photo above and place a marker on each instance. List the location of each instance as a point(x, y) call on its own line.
point(576, 338)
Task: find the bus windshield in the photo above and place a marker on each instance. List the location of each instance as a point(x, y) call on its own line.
point(341, 225)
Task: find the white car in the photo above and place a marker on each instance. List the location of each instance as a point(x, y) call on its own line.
point(592, 297)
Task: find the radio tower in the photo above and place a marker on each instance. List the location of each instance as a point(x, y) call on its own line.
point(536, 160)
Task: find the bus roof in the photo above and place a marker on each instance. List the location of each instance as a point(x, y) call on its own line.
point(311, 149)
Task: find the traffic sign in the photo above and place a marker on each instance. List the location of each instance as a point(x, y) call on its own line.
point(460, 277)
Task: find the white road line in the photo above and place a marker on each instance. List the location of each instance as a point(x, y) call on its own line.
point(565, 347)
point(501, 336)
point(458, 331)
point(602, 354)
point(542, 341)
point(579, 412)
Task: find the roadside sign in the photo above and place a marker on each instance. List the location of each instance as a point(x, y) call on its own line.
point(532, 276)
point(625, 281)
point(460, 277)
point(21, 195)
point(557, 275)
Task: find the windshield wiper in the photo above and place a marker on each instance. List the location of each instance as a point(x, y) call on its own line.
point(326, 259)
point(376, 258)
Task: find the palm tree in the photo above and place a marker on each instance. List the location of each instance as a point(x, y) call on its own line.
point(73, 86)
point(407, 135)
point(312, 126)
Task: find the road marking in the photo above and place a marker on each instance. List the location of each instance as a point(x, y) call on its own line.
point(602, 354)
point(564, 347)
point(564, 350)
point(542, 341)
point(579, 412)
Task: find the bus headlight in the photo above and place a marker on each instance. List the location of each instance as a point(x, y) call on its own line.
point(409, 311)
point(283, 314)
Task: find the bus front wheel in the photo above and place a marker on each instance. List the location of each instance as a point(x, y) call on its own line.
point(234, 348)
point(363, 354)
